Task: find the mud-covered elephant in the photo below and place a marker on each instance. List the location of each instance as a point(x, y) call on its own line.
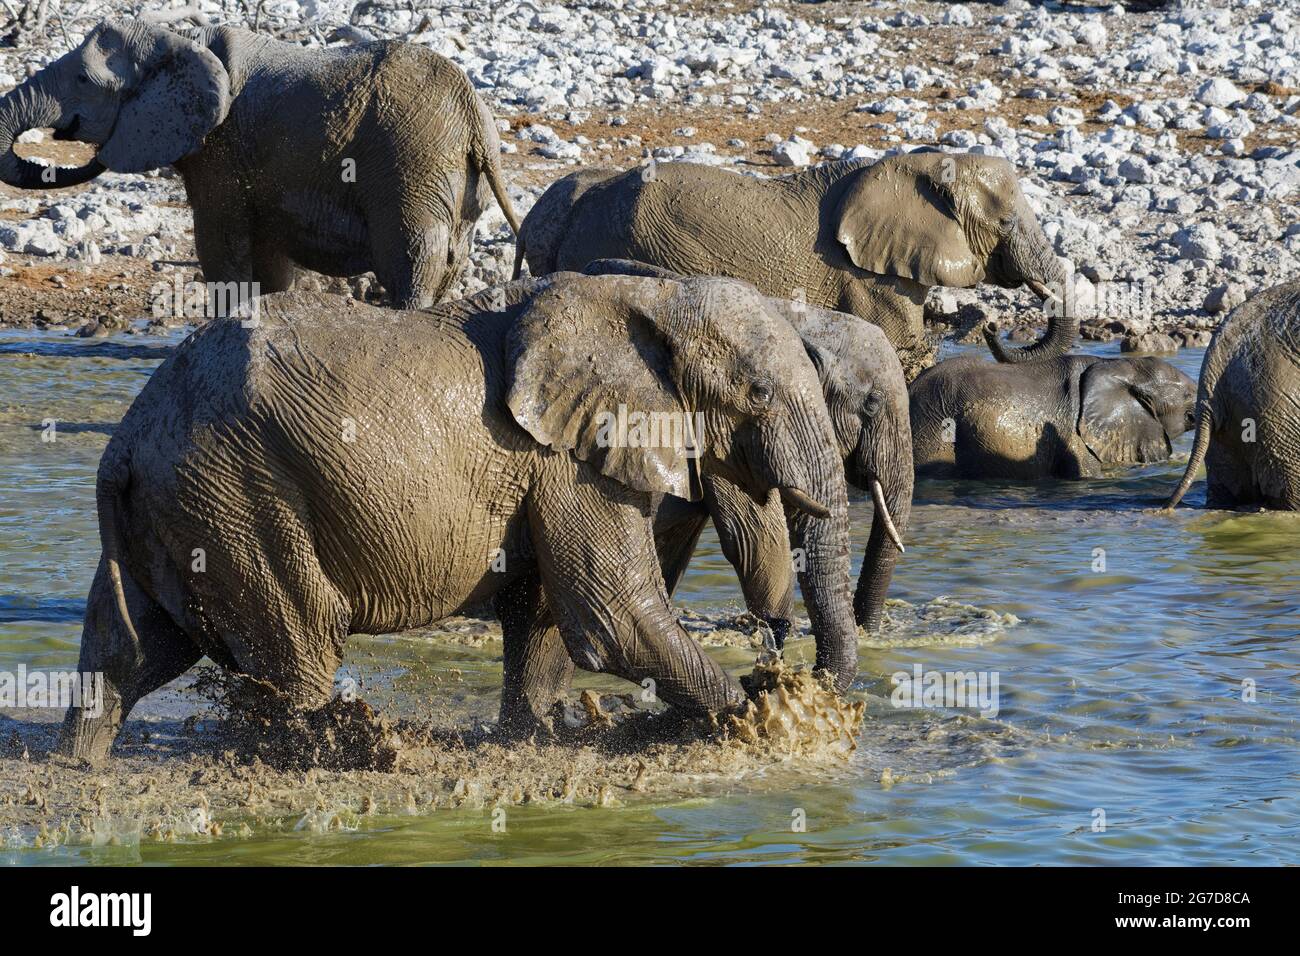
point(341, 468)
point(1060, 418)
point(376, 157)
point(1248, 407)
point(859, 237)
point(866, 396)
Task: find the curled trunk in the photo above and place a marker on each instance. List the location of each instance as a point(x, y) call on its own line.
point(1044, 274)
point(30, 106)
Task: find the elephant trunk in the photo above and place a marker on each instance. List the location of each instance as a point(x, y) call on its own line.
point(1201, 444)
point(1032, 262)
point(893, 513)
point(823, 545)
point(30, 106)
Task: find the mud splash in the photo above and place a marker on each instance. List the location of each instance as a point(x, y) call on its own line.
point(242, 774)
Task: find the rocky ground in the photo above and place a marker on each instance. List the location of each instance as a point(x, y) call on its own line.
point(1158, 145)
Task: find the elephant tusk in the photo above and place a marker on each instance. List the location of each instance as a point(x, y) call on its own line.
point(882, 509)
point(1042, 291)
point(800, 501)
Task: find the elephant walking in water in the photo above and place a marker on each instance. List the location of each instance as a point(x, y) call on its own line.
point(1248, 407)
point(374, 157)
point(345, 468)
point(866, 397)
point(1060, 418)
point(868, 239)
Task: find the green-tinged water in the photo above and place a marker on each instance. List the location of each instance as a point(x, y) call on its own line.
point(1157, 695)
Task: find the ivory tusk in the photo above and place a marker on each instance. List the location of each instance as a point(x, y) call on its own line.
point(882, 509)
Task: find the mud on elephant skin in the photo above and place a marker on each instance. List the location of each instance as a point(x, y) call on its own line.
point(383, 487)
point(1060, 418)
point(1248, 407)
point(374, 157)
point(864, 238)
point(866, 397)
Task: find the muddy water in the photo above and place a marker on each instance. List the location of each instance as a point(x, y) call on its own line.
point(1120, 735)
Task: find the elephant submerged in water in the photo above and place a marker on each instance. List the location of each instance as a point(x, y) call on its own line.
point(1248, 407)
point(866, 397)
point(376, 157)
point(1059, 418)
point(864, 238)
point(346, 468)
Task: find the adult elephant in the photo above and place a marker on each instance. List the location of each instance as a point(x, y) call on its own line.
point(866, 397)
point(344, 468)
point(865, 238)
point(374, 157)
point(1061, 418)
point(1248, 407)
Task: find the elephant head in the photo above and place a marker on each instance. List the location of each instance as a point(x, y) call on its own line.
point(866, 395)
point(592, 353)
point(955, 219)
point(1131, 410)
point(144, 95)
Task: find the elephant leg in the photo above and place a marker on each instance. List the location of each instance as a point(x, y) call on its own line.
point(536, 669)
point(128, 673)
point(222, 229)
point(412, 260)
point(678, 524)
point(592, 536)
point(755, 540)
point(269, 604)
point(273, 270)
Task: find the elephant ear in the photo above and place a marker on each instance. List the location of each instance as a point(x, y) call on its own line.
point(593, 369)
point(183, 94)
point(899, 218)
point(1119, 415)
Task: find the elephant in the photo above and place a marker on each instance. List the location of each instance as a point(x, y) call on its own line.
point(866, 396)
point(327, 467)
point(378, 156)
point(1247, 430)
point(1058, 418)
point(859, 237)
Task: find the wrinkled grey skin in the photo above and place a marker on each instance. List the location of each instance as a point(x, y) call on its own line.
point(866, 396)
point(345, 468)
point(868, 239)
point(1061, 418)
point(376, 157)
point(1250, 376)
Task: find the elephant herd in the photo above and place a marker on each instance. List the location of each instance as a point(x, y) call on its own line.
point(691, 348)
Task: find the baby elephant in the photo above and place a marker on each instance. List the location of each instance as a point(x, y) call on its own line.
point(329, 468)
point(374, 157)
point(1248, 407)
point(1061, 418)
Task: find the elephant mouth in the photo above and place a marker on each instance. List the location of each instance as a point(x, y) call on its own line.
point(70, 131)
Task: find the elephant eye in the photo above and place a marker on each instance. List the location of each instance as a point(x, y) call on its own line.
point(872, 406)
point(83, 78)
point(760, 393)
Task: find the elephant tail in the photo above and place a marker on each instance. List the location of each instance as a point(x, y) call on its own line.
point(487, 156)
point(112, 479)
point(1204, 422)
point(519, 255)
